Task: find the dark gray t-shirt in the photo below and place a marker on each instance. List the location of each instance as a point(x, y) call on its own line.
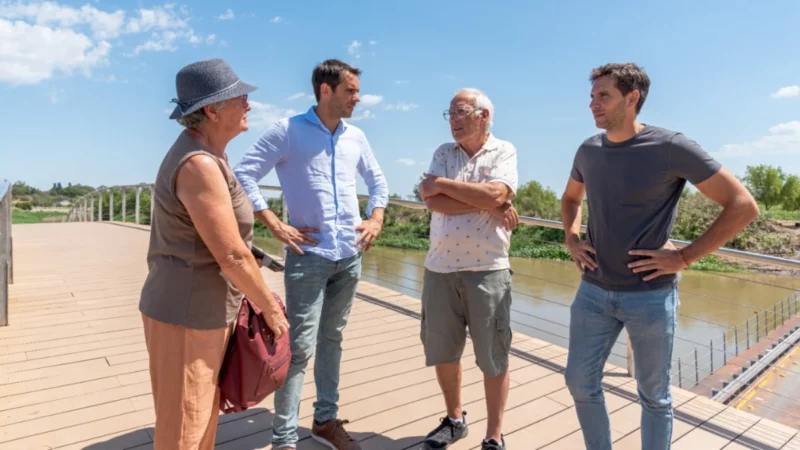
point(633, 188)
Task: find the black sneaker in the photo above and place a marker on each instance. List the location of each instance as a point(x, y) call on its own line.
point(446, 433)
point(491, 444)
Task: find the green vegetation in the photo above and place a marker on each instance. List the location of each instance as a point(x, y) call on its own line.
point(777, 192)
point(26, 194)
point(772, 187)
point(19, 216)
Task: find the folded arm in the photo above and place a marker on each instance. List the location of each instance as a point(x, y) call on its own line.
point(479, 195)
point(447, 205)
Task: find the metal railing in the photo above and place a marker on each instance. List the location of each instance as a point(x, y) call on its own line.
point(83, 210)
point(6, 249)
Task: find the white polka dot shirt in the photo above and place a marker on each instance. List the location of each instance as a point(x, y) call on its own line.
point(473, 241)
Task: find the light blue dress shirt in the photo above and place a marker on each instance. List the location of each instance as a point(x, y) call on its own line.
point(317, 171)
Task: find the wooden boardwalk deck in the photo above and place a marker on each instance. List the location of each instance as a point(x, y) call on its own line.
point(74, 371)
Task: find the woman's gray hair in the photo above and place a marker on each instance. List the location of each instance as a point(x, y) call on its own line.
point(194, 119)
point(481, 102)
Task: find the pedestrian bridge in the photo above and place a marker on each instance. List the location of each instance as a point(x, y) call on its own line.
point(74, 370)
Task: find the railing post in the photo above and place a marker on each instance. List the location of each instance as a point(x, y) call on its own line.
point(736, 339)
point(110, 205)
point(724, 350)
point(747, 324)
point(783, 318)
point(123, 205)
point(138, 196)
point(100, 208)
point(680, 374)
point(631, 362)
point(91, 209)
point(758, 325)
point(696, 369)
point(5, 253)
point(766, 323)
point(711, 354)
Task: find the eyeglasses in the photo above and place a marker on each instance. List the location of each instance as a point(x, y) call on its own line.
point(459, 113)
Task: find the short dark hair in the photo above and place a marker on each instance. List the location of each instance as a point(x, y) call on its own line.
point(330, 72)
point(628, 77)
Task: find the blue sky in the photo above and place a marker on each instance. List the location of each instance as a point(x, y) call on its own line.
point(86, 85)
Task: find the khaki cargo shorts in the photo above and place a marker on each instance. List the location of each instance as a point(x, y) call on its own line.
point(480, 301)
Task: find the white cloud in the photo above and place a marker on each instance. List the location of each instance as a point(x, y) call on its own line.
point(373, 42)
point(301, 95)
point(401, 106)
point(159, 18)
point(371, 100)
point(401, 82)
point(32, 53)
point(783, 139)
point(227, 15)
point(40, 40)
point(353, 47)
point(786, 92)
point(406, 161)
point(277, 19)
point(365, 115)
point(104, 25)
point(262, 115)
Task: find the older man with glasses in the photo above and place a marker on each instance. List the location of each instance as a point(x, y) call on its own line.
point(467, 282)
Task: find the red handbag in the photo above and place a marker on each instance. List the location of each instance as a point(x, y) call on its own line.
point(255, 364)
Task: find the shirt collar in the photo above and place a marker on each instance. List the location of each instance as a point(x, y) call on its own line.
point(492, 143)
point(311, 116)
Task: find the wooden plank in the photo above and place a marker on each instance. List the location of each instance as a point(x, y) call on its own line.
point(62, 421)
point(71, 378)
point(76, 403)
point(83, 432)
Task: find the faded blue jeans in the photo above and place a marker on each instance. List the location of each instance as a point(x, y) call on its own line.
point(319, 295)
point(597, 318)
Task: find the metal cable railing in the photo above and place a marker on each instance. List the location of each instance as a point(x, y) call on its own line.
point(692, 367)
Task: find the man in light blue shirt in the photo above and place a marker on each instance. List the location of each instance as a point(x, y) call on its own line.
point(316, 156)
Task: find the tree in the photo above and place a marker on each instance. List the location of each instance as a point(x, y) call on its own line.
point(415, 191)
point(20, 188)
point(790, 193)
point(537, 201)
point(765, 183)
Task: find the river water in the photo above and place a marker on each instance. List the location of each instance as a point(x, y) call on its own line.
point(710, 304)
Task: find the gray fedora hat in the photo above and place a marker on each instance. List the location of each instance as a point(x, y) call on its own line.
point(206, 82)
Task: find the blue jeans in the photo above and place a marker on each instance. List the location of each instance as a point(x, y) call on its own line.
point(319, 295)
point(597, 317)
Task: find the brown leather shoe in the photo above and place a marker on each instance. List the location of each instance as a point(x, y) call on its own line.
point(333, 435)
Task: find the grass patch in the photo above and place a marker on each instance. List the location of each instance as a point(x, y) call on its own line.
point(23, 217)
point(779, 214)
point(715, 264)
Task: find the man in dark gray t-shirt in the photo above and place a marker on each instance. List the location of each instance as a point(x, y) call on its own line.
point(633, 188)
point(633, 176)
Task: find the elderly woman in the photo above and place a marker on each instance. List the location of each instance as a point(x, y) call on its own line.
point(199, 258)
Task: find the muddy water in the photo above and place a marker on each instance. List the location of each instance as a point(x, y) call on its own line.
point(711, 304)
